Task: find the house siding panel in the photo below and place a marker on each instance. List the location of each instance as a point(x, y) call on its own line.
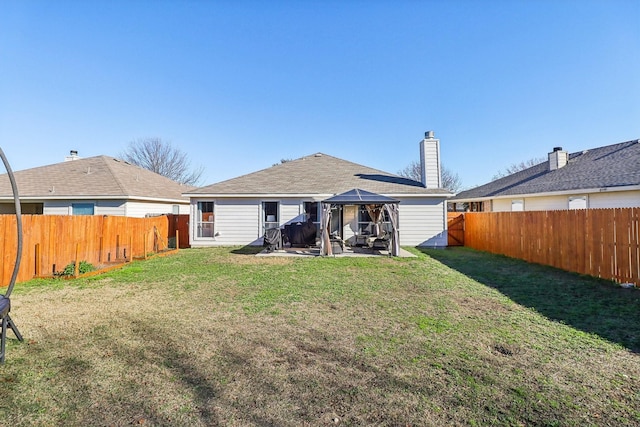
point(547, 203)
point(237, 222)
point(422, 222)
point(142, 209)
point(501, 205)
point(617, 199)
point(289, 209)
point(113, 208)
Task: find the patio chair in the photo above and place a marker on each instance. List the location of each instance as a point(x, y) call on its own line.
point(5, 302)
point(382, 242)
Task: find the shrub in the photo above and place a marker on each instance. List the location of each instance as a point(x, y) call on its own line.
point(84, 267)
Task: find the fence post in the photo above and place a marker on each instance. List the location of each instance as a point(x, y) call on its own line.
point(144, 239)
point(131, 248)
point(76, 269)
point(177, 239)
point(38, 271)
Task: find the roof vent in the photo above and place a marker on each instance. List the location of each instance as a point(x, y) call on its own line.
point(318, 155)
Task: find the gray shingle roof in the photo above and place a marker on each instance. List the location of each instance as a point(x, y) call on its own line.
point(98, 177)
point(610, 166)
point(317, 174)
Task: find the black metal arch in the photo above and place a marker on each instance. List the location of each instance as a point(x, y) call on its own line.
point(5, 302)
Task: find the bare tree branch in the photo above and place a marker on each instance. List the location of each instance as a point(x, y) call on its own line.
point(450, 180)
point(517, 167)
point(162, 158)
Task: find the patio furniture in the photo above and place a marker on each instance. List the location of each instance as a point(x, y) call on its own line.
point(272, 239)
point(382, 242)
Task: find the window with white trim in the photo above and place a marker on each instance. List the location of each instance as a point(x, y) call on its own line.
point(270, 215)
point(205, 220)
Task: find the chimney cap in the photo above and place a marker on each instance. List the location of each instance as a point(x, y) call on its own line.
point(429, 134)
point(73, 152)
point(557, 149)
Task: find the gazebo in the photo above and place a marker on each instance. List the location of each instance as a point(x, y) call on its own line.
point(375, 204)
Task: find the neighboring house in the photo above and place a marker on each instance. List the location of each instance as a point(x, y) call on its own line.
point(603, 177)
point(100, 185)
point(237, 211)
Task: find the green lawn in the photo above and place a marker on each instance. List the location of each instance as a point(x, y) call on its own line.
point(221, 337)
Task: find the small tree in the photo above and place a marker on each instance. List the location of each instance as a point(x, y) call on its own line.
point(162, 158)
point(450, 180)
point(517, 167)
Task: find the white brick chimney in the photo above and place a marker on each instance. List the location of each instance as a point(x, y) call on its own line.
point(558, 158)
point(430, 161)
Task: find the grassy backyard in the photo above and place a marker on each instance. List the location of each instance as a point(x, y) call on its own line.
point(221, 337)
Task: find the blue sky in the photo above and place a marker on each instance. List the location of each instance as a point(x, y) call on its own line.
point(239, 85)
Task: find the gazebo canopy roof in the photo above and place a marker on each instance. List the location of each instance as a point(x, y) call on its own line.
point(359, 197)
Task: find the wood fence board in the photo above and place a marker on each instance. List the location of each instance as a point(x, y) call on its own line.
point(59, 235)
point(599, 242)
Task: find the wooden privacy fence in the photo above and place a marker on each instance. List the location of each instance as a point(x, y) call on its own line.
point(179, 226)
point(598, 242)
point(455, 229)
point(52, 242)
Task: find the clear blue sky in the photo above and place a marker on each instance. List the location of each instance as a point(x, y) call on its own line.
point(239, 85)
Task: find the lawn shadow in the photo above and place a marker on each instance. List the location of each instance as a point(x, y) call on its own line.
point(247, 250)
point(586, 303)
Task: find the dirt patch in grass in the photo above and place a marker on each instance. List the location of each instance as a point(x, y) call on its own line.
point(210, 337)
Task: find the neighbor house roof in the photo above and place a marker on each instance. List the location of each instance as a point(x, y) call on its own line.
point(97, 177)
point(611, 167)
point(317, 174)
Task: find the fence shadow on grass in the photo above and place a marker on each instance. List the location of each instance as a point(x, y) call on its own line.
point(586, 303)
point(247, 250)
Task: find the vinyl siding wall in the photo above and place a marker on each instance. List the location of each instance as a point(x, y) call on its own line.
point(423, 222)
point(617, 199)
point(289, 209)
point(113, 208)
point(101, 207)
point(239, 221)
point(142, 209)
point(614, 199)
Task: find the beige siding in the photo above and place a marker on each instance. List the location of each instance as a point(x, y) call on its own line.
point(501, 205)
point(422, 222)
point(617, 199)
point(614, 199)
point(546, 203)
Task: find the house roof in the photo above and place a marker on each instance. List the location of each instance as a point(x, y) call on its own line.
point(97, 177)
point(358, 196)
point(611, 166)
point(318, 174)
